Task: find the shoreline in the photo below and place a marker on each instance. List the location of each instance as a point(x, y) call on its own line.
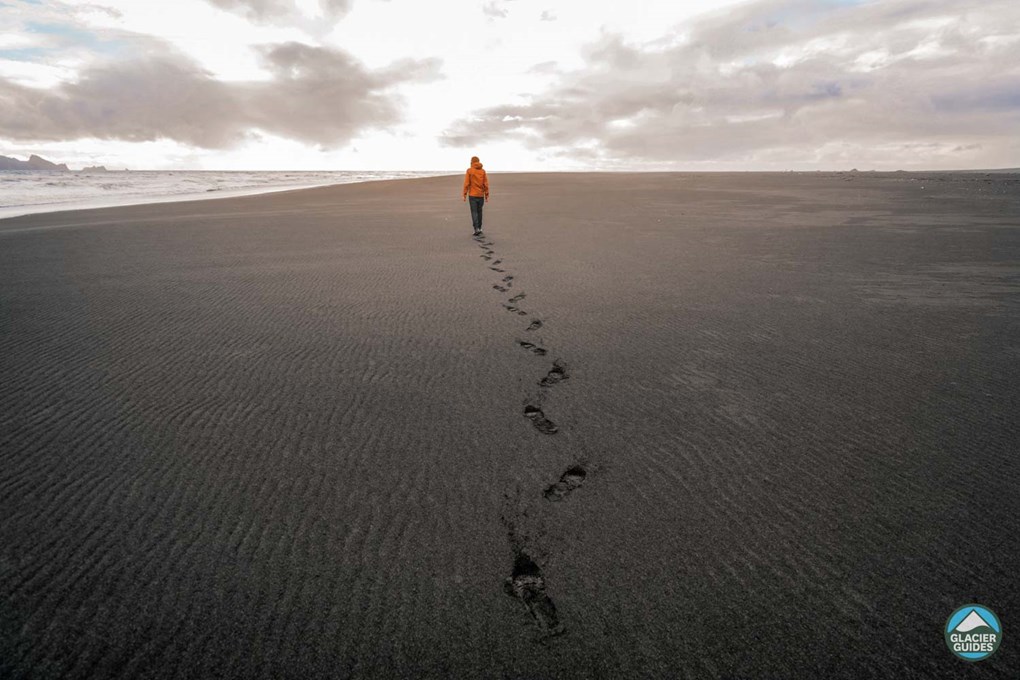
point(12, 212)
point(9, 212)
point(50, 208)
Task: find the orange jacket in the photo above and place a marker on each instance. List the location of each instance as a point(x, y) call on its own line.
point(476, 183)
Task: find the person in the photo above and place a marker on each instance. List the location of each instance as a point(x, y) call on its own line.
point(476, 190)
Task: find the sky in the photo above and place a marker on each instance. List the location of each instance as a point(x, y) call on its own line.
point(524, 84)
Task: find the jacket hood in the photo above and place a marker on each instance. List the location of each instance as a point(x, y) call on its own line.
point(476, 165)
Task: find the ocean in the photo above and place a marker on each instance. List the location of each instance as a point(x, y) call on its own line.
point(22, 192)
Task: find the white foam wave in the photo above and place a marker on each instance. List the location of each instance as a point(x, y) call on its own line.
point(33, 192)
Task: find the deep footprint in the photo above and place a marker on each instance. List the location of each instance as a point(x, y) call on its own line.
point(527, 585)
point(497, 269)
point(498, 262)
point(498, 287)
point(538, 419)
point(508, 278)
point(557, 373)
point(518, 297)
point(572, 479)
point(532, 347)
point(535, 325)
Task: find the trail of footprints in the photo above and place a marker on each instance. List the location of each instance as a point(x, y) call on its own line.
point(526, 582)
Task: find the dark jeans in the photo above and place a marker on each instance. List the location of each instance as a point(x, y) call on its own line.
point(476, 203)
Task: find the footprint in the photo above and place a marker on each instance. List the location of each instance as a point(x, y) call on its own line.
point(508, 278)
point(556, 374)
point(572, 479)
point(498, 287)
point(497, 262)
point(535, 325)
point(538, 419)
point(510, 308)
point(527, 584)
point(497, 269)
point(486, 257)
point(532, 347)
point(518, 297)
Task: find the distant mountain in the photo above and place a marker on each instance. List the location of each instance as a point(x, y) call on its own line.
point(988, 171)
point(33, 163)
point(95, 168)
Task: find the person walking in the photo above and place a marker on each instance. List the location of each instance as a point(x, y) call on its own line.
point(476, 190)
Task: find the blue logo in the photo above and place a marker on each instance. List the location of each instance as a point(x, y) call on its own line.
point(973, 632)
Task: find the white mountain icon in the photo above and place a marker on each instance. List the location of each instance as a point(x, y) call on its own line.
point(972, 621)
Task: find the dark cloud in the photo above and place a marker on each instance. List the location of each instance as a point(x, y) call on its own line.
point(325, 96)
point(316, 94)
point(139, 100)
point(782, 82)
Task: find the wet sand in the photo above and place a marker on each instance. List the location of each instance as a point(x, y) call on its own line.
point(766, 427)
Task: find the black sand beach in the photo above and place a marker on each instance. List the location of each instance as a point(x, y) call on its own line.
point(284, 436)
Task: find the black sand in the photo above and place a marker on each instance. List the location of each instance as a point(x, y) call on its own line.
point(285, 436)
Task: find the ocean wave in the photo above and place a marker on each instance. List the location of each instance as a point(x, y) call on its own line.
point(29, 192)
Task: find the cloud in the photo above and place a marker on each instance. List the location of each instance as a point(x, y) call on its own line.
point(325, 96)
point(495, 9)
point(316, 94)
point(274, 10)
point(545, 67)
point(87, 8)
point(257, 10)
point(336, 7)
point(141, 100)
point(781, 82)
point(547, 16)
